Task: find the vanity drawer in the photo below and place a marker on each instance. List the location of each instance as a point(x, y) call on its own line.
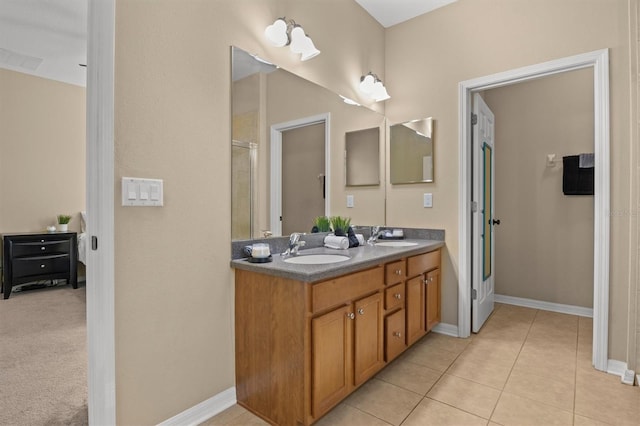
point(43, 265)
point(346, 288)
point(423, 263)
point(394, 297)
point(40, 247)
point(395, 272)
point(394, 342)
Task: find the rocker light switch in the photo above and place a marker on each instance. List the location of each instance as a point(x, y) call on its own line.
point(142, 192)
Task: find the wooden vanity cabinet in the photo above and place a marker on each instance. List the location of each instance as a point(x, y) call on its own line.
point(301, 348)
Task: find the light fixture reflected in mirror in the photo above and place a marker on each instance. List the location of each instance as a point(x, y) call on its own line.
point(372, 86)
point(282, 33)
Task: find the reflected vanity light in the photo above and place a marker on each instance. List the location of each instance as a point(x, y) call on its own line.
point(287, 33)
point(372, 86)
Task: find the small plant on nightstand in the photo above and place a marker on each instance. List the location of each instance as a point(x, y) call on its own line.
point(63, 222)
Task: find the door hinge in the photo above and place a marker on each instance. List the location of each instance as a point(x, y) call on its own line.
point(474, 294)
point(474, 206)
point(474, 119)
point(94, 242)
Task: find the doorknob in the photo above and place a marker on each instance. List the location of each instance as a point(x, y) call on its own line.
point(494, 222)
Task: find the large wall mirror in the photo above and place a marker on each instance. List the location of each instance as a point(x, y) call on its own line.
point(288, 152)
point(411, 151)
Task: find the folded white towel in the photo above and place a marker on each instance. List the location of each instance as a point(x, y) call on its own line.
point(360, 238)
point(341, 243)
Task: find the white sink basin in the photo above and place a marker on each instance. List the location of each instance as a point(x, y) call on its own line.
point(396, 244)
point(316, 259)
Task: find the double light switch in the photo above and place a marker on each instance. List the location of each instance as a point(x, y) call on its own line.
point(142, 192)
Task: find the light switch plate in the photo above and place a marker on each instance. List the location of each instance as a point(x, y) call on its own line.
point(428, 200)
point(142, 192)
point(350, 201)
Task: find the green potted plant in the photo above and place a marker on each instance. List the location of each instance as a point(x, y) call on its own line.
point(322, 224)
point(340, 225)
point(63, 222)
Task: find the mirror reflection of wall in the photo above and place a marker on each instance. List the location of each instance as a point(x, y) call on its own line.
point(362, 157)
point(265, 97)
point(411, 151)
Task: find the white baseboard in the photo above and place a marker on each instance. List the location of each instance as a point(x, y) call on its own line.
point(203, 411)
point(545, 306)
point(448, 329)
point(616, 367)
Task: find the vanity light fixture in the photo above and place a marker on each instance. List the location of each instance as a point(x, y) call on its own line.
point(287, 33)
point(371, 85)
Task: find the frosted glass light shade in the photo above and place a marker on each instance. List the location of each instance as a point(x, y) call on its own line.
point(367, 84)
point(298, 39)
point(380, 92)
point(276, 33)
point(310, 50)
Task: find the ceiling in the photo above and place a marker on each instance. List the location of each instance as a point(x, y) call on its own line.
point(48, 38)
point(392, 12)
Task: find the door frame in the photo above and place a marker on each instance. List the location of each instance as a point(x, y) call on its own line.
point(275, 181)
point(101, 373)
point(599, 61)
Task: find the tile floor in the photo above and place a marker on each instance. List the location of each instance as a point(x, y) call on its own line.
point(525, 367)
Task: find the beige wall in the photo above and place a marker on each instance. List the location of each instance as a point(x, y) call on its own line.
point(428, 56)
point(544, 244)
point(173, 285)
point(42, 152)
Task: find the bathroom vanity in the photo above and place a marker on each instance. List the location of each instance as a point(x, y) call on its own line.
point(309, 335)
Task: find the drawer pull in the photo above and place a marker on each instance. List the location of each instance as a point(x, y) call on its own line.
point(43, 248)
point(351, 315)
point(361, 311)
point(397, 296)
point(42, 241)
point(42, 266)
point(397, 334)
point(398, 271)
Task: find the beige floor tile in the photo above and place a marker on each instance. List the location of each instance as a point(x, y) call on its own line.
point(444, 342)
point(466, 395)
point(435, 358)
point(495, 349)
point(246, 419)
point(547, 364)
point(344, 415)
point(603, 397)
point(586, 421)
point(556, 320)
point(493, 373)
point(434, 413)
point(384, 401)
point(408, 375)
point(558, 393)
point(226, 416)
point(516, 410)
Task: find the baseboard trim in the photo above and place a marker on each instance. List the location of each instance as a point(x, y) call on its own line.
point(545, 306)
point(448, 329)
point(616, 367)
point(203, 411)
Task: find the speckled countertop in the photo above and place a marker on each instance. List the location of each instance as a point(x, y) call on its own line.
point(361, 258)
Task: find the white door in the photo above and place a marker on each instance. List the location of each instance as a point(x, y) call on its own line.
point(483, 217)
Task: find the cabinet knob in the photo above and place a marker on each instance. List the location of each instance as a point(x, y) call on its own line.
point(397, 334)
point(43, 248)
point(425, 281)
point(351, 315)
point(42, 241)
point(42, 266)
point(361, 311)
point(397, 296)
point(398, 271)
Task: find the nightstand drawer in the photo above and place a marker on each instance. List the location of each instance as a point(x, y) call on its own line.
point(41, 247)
point(34, 266)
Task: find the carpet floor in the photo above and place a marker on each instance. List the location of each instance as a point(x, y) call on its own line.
point(43, 357)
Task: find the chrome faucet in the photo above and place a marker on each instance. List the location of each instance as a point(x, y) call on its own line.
point(294, 244)
point(375, 234)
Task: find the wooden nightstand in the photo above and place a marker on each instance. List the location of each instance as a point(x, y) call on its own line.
point(39, 256)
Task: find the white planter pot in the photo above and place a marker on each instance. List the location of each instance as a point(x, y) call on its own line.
point(63, 227)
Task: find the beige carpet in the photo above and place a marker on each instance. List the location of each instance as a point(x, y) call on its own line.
point(43, 357)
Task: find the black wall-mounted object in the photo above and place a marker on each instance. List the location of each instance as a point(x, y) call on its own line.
point(576, 180)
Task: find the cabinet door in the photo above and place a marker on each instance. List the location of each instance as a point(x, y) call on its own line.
point(415, 306)
point(433, 299)
point(368, 338)
point(394, 329)
point(331, 361)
